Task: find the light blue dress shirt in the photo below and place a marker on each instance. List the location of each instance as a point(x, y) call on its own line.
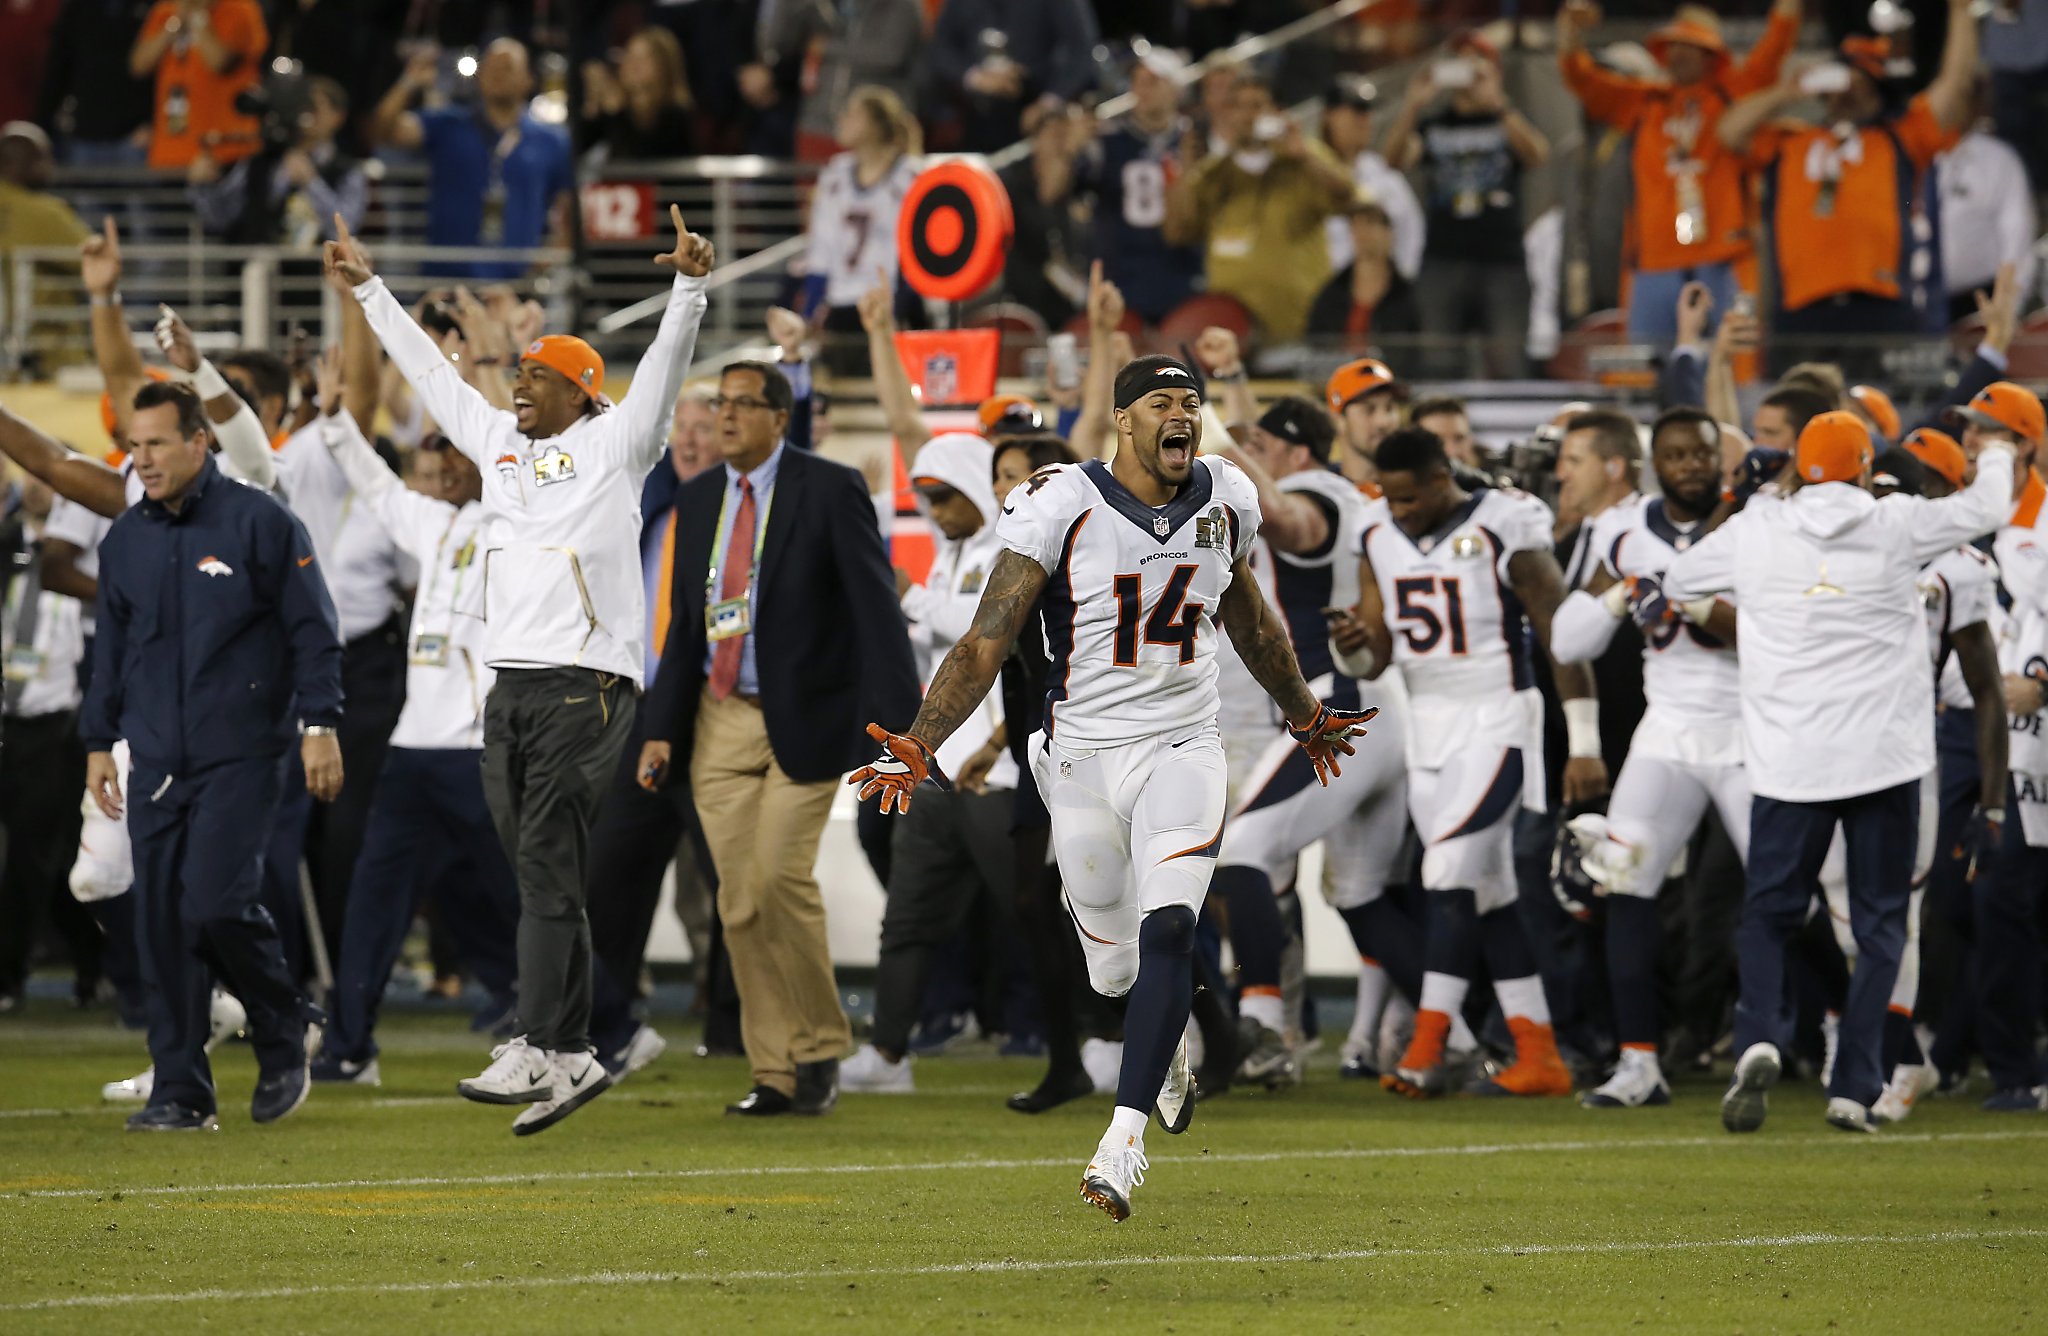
point(763, 480)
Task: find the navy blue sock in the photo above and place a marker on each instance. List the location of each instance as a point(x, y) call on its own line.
point(1257, 932)
point(1505, 940)
point(1901, 1044)
point(1632, 933)
point(1382, 931)
point(120, 959)
point(1452, 946)
point(1157, 1014)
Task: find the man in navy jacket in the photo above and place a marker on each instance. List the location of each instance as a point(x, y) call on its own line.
point(217, 647)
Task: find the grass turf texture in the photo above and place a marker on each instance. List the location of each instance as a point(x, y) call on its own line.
point(1338, 1206)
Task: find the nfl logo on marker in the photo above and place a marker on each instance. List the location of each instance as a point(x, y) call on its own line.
point(941, 378)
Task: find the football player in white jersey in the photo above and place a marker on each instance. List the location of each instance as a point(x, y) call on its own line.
point(1451, 585)
point(1310, 518)
point(1138, 563)
point(1686, 753)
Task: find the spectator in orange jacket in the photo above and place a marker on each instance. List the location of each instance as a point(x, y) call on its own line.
point(202, 54)
point(1691, 217)
point(1842, 193)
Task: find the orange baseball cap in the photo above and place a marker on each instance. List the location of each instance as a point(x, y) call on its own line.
point(1354, 380)
point(1009, 415)
point(570, 356)
point(1938, 451)
point(1691, 25)
point(1879, 406)
point(1835, 447)
point(2004, 406)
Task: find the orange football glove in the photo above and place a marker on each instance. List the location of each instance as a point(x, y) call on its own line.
point(1325, 736)
point(904, 764)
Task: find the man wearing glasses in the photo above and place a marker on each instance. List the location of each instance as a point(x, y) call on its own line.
point(784, 639)
point(564, 614)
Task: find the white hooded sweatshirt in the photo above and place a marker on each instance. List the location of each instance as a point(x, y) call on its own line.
point(1837, 691)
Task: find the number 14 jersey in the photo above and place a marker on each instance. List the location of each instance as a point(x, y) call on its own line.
point(1132, 603)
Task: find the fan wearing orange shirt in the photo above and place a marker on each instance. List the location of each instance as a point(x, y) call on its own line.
point(1841, 191)
point(1690, 221)
point(202, 54)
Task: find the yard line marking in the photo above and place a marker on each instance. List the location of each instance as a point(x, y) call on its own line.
point(1013, 1267)
point(932, 1166)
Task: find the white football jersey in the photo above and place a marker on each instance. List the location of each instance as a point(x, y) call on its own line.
point(1459, 631)
point(1688, 674)
point(1131, 609)
point(853, 229)
point(1959, 588)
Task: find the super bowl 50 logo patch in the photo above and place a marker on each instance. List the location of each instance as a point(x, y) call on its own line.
point(1213, 530)
point(553, 466)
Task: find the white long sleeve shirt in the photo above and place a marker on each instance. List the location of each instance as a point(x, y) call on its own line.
point(446, 678)
point(1837, 690)
point(1987, 214)
point(360, 560)
point(562, 584)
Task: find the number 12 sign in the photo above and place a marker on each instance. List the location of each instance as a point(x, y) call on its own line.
point(618, 210)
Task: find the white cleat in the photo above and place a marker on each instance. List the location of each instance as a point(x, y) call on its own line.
point(1848, 1115)
point(644, 1047)
point(518, 1074)
point(1743, 1107)
point(1103, 1060)
point(868, 1072)
point(1175, 1107)
point(1638, 1082)
point(227, 1018)
point(1118, 1167)
point(576, 1079)
point(1910, 1080)
point(134, 1090)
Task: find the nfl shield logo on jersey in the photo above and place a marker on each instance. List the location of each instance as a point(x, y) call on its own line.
point(1161, 525)
point(941, 379)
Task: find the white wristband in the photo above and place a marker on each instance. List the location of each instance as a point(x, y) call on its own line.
point(1698, 610)
point(208, 381)
point(1582, 728)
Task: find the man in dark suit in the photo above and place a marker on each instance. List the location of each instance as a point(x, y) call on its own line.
point(785, 639)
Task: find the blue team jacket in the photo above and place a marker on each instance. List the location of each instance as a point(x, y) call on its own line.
point(216, 635)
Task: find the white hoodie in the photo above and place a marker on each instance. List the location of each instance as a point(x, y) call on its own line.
point(1837, 691)
point(562, 577)
point(941, 610)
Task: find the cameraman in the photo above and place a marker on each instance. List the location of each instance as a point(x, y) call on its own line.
point(304, 178)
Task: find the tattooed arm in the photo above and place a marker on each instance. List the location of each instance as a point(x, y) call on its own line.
point(969, 670)
point(1262, 642)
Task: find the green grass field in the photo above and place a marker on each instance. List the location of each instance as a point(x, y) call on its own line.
point(1329, 1208)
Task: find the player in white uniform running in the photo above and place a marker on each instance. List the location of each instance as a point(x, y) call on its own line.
point(1138, 563)
point(1452, 584)
point(1686, 752)
point(1310, 518)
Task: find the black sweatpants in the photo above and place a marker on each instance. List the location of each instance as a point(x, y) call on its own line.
point(42, 772)
point(551, 738)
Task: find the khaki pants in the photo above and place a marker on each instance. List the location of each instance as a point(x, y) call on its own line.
point(763, 829)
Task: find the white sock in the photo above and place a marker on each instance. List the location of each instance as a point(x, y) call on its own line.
point(1443, 992)
point(1372, 1002)
point(1128, 1123)
point(1264, 1008)
point(1523, 997)
point(1460, 1039)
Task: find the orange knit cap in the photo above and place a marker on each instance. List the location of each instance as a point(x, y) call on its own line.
point(570, 356)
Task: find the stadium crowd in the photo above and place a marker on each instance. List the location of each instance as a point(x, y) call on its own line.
point(1707, 734)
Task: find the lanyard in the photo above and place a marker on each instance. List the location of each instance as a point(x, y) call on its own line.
point(723, 539)
point(426, 597)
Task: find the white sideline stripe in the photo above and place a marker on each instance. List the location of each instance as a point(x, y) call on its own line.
point(938, 1166)
point(1015, 1267)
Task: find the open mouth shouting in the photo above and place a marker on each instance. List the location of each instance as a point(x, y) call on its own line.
point(1176, 446)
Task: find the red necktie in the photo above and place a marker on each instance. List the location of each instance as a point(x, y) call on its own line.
point(739, 569)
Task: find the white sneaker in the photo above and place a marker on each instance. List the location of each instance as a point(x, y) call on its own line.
point(1638, 1081)
point(1175, 1107)
point(871, 1073)
point(1103, 1060)
point(577, 1079)
point(1270, 1062)
point(1118, 1167)
point(1748, 1097)
point(228, 1018)
point(134, 1090)
point(518, 1074)
point(1830, 1040)
point(644, 1047)
point(1910, 1080)
point(1848, 1115)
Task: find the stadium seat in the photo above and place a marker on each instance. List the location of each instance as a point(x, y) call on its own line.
point(1132, 324)
point(2027, 359)
point(1020, 329)
point(1602, 329)
point(1185, 323)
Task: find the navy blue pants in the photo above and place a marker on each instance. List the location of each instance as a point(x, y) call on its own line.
point(428, 814)
point(199, 848)
point(1787, 843)
point(2009, 892)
